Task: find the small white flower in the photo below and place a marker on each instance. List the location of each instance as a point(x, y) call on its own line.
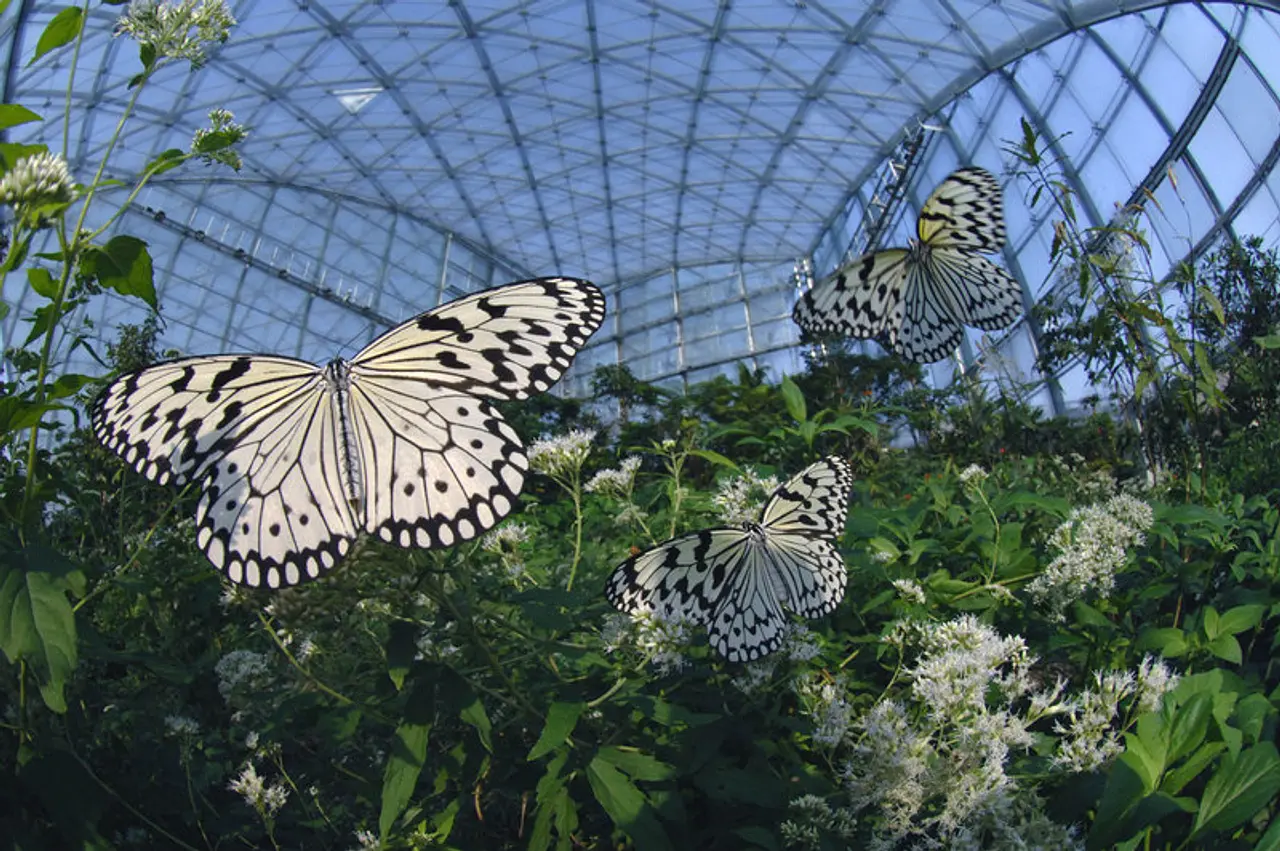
point(267, 800)
point(740, 498)
point(1155, 680)
point(181, 725)
point(505, 538)
point(910, 591)
point(563, 456)
point(973, 476)
point(368, 841)
point(615, 483)
point(36, 182)
point(251, 741)
point(239, 667)
point(182, 30)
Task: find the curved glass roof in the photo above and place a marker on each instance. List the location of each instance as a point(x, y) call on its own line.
point(405, 153)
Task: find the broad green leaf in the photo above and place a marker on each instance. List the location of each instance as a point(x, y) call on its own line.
point(1270, 341)
point(549, 791)
point(12, 115)
point(67, 385)
point(626, 805)
point(1170, 641)
point(11, 152)
point(453, 691)
point(1251, 715)
point(1181, 775)
point(1270, 840)
point(17, 414)
point(794, 399)
point(166, 161)
point(63, 29)
point(1190, 723)
point(123, 265)
point(37, 623)
point(561, 719)
point(1241, 618)
point(759, 837)
point(1145, 754)
point(404, 764)
point(1211, 621)
point(1226, 647)
point(641, 766)
point(714, 458)
point(42, 282)
point(1121, 795)
point(1241, 786)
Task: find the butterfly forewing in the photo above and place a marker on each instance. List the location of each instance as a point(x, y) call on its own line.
point(505, 343)
point(815, 501)
point(965, 211)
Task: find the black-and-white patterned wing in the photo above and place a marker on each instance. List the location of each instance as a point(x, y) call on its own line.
point(965, 211)
point(815, 501)
point(859, 300)
point(927, 331)
point(803, 519)
point(748, 622)
point(680, 579)
point(504, 343)
point(257, 433)
point(440, 464)
point(977, 291)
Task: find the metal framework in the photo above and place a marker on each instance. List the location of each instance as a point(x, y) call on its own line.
point(681, 156)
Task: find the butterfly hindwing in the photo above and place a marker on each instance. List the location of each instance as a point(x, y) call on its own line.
point(439, 466)
point(748, 622)
point(977, 291)
point(503, 343)
point(858, 300)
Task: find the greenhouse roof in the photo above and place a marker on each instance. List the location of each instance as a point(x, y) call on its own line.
point(682, 156)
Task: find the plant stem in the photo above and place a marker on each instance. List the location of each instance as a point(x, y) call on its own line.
point(576, 492)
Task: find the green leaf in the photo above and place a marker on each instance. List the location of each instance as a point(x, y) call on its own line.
point(626, 805)
point(63, 29)
point(1226, 647)
point(550, 793)
point(11, 152)
point(455, 692)
point(759, 837)
point(1241, 618)
point(1251, 716)
point(1240, 788)
point(1270, 341)
point(166, 161)
point(404, 764)
point(12, 115)
point(714, 458)
point(641, 766)
point(42, 282)
point(1181, 775)
point(67, 385)
point(37, 623)
point(1270, 840)
point(401, 649)
point(1190, 723)
point(123, 265)
point(561, 719)
point(794, 399)
point(1121, 795)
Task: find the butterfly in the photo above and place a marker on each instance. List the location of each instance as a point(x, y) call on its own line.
point(919, 297)
point(735, 581)
point(402, 441)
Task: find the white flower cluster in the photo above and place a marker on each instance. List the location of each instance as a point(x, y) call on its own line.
point(616, 483)
point(825, 703)
point(740, 498)
point(813, 819)
point(662, 640)
point(1089, 739)
point(505, 538)
point(910, 591)
point(239, 667)
point(800, 645)
point(183, 30)
point(933, 762)
point(367, 841)
point(562, 457)
point(267, 800)
point(35, 182)
point(1092, 546)
point(216, 143)
point(973, 476)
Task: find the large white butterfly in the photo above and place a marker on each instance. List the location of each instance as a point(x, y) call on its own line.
point(736, 581)
point(919, 297)
point(401, 441)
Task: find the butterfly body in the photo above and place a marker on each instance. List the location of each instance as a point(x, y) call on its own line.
point(737, 580)
point(919, 298)
point(401, 441)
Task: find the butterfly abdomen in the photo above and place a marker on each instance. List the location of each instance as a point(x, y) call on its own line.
point(337, 375)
